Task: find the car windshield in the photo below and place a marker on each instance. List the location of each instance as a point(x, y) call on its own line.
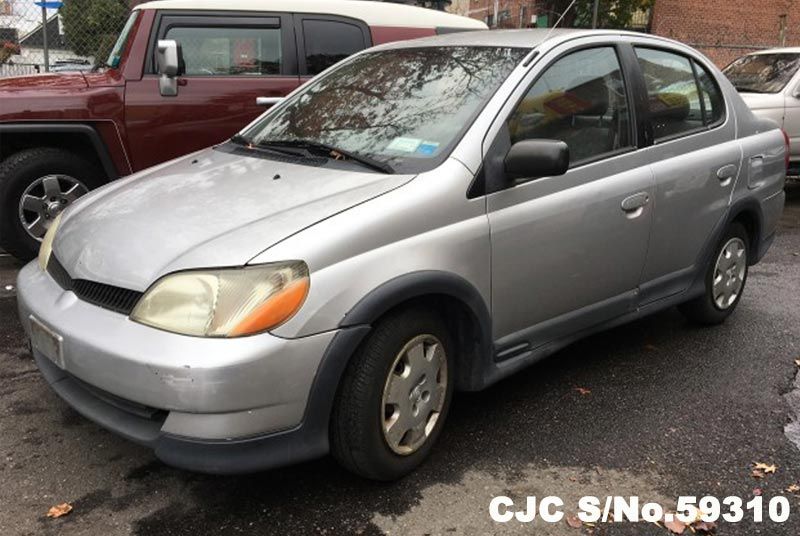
point(119, 47)
point(763, 73)
point(404, 109)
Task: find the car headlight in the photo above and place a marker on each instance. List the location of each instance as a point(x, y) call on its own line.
point(227, 302)
point(46, 249)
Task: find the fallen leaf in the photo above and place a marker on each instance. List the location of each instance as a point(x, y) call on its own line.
point(797, 362)
point(574, 522)
point(650, 347)
point(59, 510)
point(794, 488)
point(766, 468)
point(757, 492)
point(675, 526)
point(704, 526)
point(584, 391)
point(757, 474)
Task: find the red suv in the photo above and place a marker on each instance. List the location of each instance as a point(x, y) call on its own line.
point(64, 134)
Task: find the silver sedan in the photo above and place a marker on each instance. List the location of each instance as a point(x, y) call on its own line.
point(425, 217)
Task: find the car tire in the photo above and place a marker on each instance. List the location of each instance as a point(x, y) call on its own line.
point(725, 280)
point(20, 173)
point(364, 406)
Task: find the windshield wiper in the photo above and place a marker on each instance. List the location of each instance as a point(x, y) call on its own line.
point(244, 141)
point(331, 152)
point(742, 89)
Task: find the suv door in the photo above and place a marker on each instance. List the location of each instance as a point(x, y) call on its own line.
point(230, 60)
point(696, 161)
point(567, 252)
point(324, 40)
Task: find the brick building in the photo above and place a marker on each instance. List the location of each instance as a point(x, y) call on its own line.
point(722, 29)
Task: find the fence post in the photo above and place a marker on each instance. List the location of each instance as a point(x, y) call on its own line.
point(44, 39)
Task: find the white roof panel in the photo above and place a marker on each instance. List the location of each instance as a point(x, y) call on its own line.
point(372, 13)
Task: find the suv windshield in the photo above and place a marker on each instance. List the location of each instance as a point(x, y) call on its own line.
point(404, 109)
point(763, 73)
point(119, 47)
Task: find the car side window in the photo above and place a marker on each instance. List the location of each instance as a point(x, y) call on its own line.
point(673, 93)
point(229, 51)
point(581, 100)
point(327, 42)
point(713, 101)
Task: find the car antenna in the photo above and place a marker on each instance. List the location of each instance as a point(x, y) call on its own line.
point(535, 52)
point(546, 37)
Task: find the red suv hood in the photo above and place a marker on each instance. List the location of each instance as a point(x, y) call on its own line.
point(57, 81)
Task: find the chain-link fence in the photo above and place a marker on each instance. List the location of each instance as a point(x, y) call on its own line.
point(67, 35)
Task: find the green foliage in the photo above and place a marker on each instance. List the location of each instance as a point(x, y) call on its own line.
point(91, 26)
point(616, 14)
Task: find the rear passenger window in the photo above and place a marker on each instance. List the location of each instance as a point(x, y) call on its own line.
point(713, 102)
point(328, 42)
point(226, 51)
point(581, 100)
point(679, 101)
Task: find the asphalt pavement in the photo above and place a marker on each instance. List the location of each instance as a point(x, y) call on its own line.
point(664, 409)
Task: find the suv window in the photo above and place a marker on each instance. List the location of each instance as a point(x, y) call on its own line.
point(674, 92)
point(581, 100)
point(328, 42)
point(228, 51)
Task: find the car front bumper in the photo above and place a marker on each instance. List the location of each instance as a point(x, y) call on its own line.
point(186, 397)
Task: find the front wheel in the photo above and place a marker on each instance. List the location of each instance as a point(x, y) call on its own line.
point(35, 186)
point(724, 280)
point(394, 397)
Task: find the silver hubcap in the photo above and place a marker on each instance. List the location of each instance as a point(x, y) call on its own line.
point(729, 273)
point(46, 198)
point(414, 394)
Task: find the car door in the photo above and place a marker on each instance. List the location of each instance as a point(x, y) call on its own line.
point(324, 40)
point(230, 60)
point(568, 251)
point(696, 161)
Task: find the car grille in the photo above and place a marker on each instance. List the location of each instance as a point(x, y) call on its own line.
point(119, 300)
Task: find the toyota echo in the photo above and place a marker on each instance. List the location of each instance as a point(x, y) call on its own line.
point(425, 217)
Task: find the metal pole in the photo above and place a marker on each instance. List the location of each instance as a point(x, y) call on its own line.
point(496, 9)
point(44, 40)
point(594, 13)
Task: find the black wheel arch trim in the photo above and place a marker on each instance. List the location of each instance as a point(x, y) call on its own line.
point(99, 146)
point(472, 372)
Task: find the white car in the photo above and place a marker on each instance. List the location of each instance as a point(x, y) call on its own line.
point(769, 82)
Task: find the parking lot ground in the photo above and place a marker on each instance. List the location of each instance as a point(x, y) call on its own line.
point(667, 409)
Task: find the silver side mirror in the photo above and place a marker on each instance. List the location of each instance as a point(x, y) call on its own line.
point(796, 92)
point(268, 101)
point(168, 58)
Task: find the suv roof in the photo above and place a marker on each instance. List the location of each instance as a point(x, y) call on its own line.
point(373, 13)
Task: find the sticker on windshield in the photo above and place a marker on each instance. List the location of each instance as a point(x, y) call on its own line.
point(404, 145)
point(428, 148)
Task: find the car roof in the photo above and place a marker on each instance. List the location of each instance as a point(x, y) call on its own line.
point(526, 38)
point(784, 50)
point(372, 13)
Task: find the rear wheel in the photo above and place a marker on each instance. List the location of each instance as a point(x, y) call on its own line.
point(725, 280)
point(394, 397)
point(35, 186)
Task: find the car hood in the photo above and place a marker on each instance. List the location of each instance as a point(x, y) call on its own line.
point(760, 101)
point(209, 209)
point(54, 81)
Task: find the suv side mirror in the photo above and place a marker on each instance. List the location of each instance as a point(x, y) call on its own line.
point(796, 92)
point(169, 66)
point(533, 159)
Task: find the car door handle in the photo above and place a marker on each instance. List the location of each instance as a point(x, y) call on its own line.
point(633, 205)
point(726, 173)
point(268, 101)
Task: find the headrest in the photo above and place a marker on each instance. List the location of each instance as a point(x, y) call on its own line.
point(669, 106)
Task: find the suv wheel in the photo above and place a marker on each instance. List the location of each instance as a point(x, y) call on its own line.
point(394, 397)
point(725, 280)
point(35, 186)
